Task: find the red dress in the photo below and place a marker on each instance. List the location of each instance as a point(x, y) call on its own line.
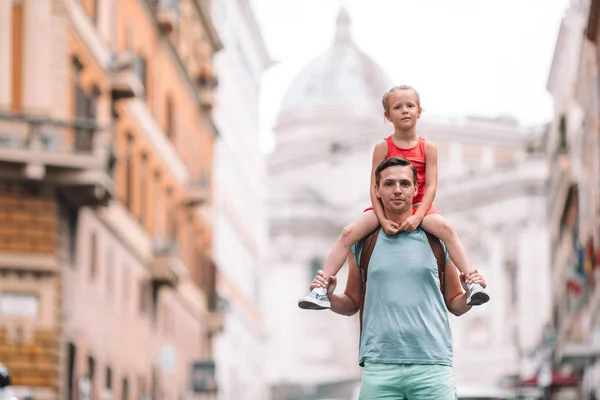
point(416, 156)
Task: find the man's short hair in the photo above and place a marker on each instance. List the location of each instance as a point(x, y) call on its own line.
point(395, 162)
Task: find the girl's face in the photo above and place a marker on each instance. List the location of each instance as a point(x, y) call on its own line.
point(403, 109)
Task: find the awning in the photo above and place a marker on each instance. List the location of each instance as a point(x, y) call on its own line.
point(576, 353)
point(558, 380)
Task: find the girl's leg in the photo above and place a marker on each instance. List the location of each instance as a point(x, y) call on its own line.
point(357, 230)
point(438, 226)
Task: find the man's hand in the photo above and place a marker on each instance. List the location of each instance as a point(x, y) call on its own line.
point(321, 281)
point(474, 277)
point(411, 223)
point(390, 227)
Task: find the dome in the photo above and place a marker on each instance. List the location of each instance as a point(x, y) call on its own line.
point(343, 76)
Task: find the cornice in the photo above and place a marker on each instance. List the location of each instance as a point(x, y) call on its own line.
point(493, 187)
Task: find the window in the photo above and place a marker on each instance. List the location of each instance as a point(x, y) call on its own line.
point(85, 108)
point(125, 392)
point(78, 92)
point(17, 57)
point(157, 199)
point(71, 357)
point(169, 122)
point(69, 216)
point(562, 132)
point(108, 383)
point(93, 255)
point(128, 171)
point(143, 189)
point(172, 216)
point(72, 219)
point(91, 371)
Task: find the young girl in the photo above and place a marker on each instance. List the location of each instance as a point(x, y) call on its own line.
point(402, 107)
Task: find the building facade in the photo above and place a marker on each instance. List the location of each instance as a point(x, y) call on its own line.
point(317, 174)
point(492, 187)
point(240, 213)
point(492, 184)
point(108, 273)
point(574, 200)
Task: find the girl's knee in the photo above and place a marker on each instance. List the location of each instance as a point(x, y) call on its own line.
point(443, 229)
point(347, 235)
point(448, 229)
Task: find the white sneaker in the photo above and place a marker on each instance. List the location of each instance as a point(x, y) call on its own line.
point(316, 300)
point(476, 295)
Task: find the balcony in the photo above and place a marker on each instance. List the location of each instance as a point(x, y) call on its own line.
point(74, 156)
point(167, 15)
point(217, 308)
point(198, 193)
point(166, 268)
point(215, 322)
point(206, 82)
point(129, 76)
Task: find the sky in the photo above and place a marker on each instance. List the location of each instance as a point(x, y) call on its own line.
point(465, 57)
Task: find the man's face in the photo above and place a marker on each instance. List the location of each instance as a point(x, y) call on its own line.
point(396, 188)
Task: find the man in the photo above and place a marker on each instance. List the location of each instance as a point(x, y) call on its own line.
point(406, 343)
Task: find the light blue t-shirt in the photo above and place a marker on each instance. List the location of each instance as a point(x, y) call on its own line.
point(405, 320)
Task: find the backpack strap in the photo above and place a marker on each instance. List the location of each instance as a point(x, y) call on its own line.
point(363, 265)
point(440, 256)
point(365, 256)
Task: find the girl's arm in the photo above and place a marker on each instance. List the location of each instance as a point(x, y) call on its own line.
point(379, 154)
point(431, 179)
point(431, 176)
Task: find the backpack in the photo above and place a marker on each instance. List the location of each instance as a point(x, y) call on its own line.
point(365, 257)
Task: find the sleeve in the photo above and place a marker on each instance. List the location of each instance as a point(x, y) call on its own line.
point(446, 254)
point(356, 250)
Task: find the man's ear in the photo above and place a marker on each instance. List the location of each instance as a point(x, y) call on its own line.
point(377, 191)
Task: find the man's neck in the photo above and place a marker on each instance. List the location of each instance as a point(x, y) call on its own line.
point(398, 218)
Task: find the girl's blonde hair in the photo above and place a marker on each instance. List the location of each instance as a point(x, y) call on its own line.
point(386, 96)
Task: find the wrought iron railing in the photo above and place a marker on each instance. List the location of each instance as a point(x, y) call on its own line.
point(20, 131)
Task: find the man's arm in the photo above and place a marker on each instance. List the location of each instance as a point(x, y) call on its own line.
point(455, 288)
point(348, 303)
point(454, 295)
